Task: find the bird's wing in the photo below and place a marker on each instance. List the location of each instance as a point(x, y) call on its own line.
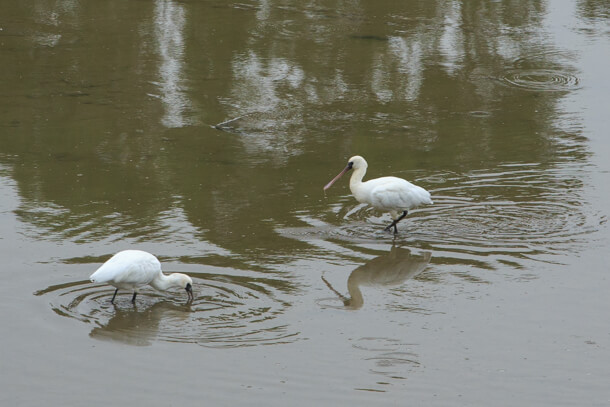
point(398, 194)
point(106, 272)
point(141, 271)
point(128, 267)
point(387, 196)
point(135, 273)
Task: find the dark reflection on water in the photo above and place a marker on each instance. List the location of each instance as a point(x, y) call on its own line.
point(593, 16)
point(136, 158)
point(387, 270)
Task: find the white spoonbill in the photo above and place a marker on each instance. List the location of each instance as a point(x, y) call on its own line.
point(131, 269)
point(388, 194)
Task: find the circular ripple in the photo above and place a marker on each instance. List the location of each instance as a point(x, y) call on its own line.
point(523, 212)
point(391, 357)
point(486, 219)
point(228, 311)
point(541, 80)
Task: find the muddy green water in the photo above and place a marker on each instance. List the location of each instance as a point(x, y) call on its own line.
point(204, 131)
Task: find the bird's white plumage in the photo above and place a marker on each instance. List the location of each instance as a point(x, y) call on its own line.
point(389, 194)
point(128, 269)
point(131, 269)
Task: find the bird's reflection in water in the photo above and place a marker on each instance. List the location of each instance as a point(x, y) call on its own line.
point(140, 326)
point(387, 270)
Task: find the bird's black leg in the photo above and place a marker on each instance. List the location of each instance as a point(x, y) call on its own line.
point(395, 222)
point(112, 300)
point(133, 299)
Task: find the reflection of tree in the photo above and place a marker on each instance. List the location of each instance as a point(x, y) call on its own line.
point(595, 11)
point(93, 157)
point(169, 22)
point(390, 269)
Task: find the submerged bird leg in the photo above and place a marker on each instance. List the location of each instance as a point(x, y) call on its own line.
point(112, 300)
point(133, 299)
point(395, 222)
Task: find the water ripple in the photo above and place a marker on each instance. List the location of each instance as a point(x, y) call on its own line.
point(541, 79)
point(390, 357)
point(228, 311)
point(486, 219)
point(515, 212)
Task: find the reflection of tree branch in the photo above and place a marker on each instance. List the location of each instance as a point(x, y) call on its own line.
point(343, 297)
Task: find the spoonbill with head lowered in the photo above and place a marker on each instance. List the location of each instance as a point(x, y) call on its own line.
point(131, 269)
point(388, 194)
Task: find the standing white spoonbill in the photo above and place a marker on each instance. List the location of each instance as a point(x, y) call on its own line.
point(388, 194)
point(131, 269)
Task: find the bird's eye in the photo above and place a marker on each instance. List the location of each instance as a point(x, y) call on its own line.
point(188, 286)
point(350, 164)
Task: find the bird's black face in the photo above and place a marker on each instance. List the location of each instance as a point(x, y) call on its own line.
point(350, 165)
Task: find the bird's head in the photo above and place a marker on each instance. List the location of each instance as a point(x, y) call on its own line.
point(355, 163)
point(183, 281)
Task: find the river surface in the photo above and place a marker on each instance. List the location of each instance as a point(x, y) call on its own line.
point(204, 131)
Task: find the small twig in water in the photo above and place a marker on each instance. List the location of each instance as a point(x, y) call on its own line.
point(221, 125)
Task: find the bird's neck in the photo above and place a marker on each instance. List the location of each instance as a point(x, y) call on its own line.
point(353, 287)
point(356, 179)
point(162, 282)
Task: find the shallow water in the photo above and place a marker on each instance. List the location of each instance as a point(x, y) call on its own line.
point(203, 132)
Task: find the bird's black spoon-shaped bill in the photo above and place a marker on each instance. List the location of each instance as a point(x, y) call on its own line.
point(189, 293)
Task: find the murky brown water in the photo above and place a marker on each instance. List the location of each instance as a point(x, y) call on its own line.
point(203, 132)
